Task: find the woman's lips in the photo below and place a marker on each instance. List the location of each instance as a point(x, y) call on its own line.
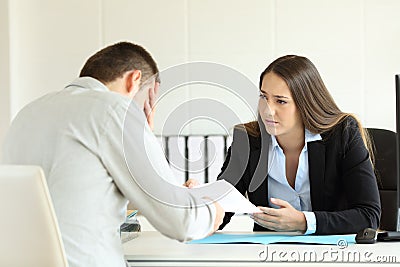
point(271, 122)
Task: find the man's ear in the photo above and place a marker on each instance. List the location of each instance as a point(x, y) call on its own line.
point(133, 79)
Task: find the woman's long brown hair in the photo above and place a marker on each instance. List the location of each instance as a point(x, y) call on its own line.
point(317, 108)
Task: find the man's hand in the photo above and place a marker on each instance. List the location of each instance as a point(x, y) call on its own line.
point(149, 104)
point(219, 217)
point(286, 218)
point(219, 214)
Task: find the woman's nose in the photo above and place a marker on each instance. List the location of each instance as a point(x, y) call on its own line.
point(269, 110)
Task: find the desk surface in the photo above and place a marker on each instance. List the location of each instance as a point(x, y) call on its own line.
point(153, 249)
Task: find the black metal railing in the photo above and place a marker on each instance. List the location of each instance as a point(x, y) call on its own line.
point(166, 144)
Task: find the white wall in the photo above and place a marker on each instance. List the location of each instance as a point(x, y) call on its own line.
point(49, 41)
point(381, 61)
point(353, 43)
point(4, 70)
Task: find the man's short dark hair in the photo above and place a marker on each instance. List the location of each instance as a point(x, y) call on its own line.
point(113, 61)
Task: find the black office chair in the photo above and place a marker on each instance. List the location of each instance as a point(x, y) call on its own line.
point(386, 171)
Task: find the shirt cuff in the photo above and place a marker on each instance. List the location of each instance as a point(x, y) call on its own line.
point(311, 222)
point(202, 221)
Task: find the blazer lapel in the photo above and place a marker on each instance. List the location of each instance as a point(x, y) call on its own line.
point(316, 164)
point(258, 183)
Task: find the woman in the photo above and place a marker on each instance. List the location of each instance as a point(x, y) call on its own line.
point(306, 163)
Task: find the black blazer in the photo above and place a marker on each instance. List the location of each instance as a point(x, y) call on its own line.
point(343, 187)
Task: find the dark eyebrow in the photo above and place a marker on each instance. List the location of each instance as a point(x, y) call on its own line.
point(276, 96)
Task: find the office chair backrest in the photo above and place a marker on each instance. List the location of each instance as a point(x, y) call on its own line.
point(386, 170)
point(29, 234)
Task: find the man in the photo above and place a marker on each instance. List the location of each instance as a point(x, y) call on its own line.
point(97, 151)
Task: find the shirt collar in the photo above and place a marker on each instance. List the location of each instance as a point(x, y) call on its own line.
point(274, 142)
point(88, 83)
point(308, 137)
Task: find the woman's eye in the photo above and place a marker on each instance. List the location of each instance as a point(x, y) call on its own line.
point(281, 102)
point(263, 96)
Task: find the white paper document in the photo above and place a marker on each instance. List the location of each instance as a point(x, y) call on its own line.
point(230, 199)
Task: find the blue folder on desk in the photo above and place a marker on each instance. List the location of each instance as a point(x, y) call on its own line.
point(265, 238)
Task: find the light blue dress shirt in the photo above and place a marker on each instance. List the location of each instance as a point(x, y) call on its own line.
point(278, 186)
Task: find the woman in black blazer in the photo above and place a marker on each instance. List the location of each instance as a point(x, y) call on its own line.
point(340, 191)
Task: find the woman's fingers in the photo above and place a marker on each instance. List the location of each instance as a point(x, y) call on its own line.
point(286, 218)
point(191, 183)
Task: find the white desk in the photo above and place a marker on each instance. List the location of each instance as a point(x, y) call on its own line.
point(153, 249)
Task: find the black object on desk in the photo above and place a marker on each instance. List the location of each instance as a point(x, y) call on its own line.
point(366, 236)
point(389, 236)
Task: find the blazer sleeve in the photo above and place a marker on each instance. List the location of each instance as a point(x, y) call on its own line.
point(358, 182)
point(234, 170)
